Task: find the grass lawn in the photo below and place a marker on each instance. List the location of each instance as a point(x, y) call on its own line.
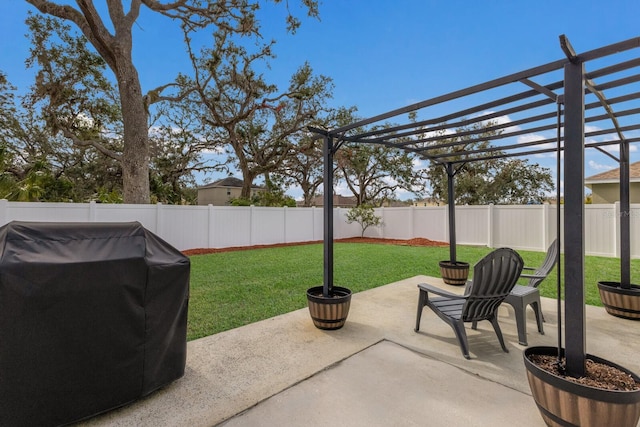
point(232, 289)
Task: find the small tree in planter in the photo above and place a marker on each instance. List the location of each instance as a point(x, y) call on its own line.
point(365, 216)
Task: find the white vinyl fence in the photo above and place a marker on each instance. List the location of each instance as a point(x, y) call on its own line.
point(530, 227)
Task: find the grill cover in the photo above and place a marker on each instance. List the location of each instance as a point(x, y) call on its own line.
point(92, 316)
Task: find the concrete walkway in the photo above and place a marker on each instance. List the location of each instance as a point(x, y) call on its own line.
point(375, 371)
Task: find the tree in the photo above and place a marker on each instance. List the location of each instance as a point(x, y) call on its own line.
point(71, 121)
point(304, 166)
point(250, 116)
point(178, 141)
point(8, 125)
point(113, 40)
point(497, 181)
point(374, 172)
point(365, 216)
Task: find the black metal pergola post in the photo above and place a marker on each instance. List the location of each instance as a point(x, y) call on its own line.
point(451, 207)
point(625, 217)
point(327, 283)
point(575, 344)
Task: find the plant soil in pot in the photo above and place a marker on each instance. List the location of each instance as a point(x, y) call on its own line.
point(567, 401)
point(454, 272)
point(329, 312)
point(619, 301)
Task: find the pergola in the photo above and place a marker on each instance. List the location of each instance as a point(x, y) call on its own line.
point(553, 108)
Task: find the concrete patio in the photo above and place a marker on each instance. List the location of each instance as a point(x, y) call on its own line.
point(375, 371)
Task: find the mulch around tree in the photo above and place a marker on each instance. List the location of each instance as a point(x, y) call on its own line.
point(406, 242)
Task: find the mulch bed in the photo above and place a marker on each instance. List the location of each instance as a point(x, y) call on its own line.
point(408, 242)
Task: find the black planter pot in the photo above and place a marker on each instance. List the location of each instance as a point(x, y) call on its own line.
point(331, 312)
point(566, 403)
point(619, 301)
point(454, 272)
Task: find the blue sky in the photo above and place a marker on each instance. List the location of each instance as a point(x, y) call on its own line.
point(384, 54)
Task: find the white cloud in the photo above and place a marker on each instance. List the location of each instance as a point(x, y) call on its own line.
point(599, 166)
point(500, 120)
point(590, 128)
point(530, 137)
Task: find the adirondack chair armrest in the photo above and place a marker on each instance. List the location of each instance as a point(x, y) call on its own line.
point(434, 289)
point(532, 276)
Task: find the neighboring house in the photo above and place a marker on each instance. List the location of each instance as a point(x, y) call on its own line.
point(338, 201)
point(605, 186)
point(222, 191)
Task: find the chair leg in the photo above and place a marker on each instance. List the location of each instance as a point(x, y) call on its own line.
point(421, 303)
point(521, 322)
point(458, 328)
point(539, 316)
point(474, 325)
point(496, 327)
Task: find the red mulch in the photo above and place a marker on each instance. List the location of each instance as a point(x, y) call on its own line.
point(410, 242)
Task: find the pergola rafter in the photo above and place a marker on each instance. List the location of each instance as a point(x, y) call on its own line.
point(502, 112)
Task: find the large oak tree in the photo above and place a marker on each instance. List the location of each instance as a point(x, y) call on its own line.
point(111, 35)
point(252, 118)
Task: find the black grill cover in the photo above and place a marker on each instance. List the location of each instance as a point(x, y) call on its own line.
point(92, 316)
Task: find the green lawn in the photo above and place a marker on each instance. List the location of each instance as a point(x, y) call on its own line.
point(232, 289)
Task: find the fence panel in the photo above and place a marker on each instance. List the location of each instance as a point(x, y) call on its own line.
point(147, 215)
point(231, 226)
point(300, 225)
point(472, 225)
point(600, 220)
point(635, 231)
point(431, 223)
point(185, 227)
point(519, 227)
point(397, 223)
point(62, 212)
point(267, 226)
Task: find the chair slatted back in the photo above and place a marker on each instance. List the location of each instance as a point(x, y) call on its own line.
point(547, 265)
point(494, 276)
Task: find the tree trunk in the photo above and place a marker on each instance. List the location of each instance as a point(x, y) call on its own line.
point(135, 159)
point(116, 51)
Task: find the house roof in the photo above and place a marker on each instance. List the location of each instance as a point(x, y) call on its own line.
point(229, 181)
point(338, 200)
point(613, 175)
